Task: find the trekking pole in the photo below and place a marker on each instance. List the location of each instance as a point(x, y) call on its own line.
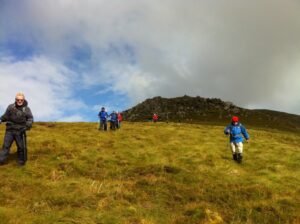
point(248, 144)
point(24, 144)
point(227, 144)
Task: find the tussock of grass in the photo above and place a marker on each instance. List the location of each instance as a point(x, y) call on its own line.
point(151, 173)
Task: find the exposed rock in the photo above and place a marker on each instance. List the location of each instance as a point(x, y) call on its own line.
point(199, 109)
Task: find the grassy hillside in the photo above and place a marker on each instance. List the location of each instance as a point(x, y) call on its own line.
point(149, 173)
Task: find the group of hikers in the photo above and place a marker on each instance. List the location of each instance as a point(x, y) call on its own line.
point(19, 119)
point(115, 119)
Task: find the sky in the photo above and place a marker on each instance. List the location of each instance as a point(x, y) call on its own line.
point(71, 57)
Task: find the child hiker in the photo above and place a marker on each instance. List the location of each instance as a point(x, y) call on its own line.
point(236, 131)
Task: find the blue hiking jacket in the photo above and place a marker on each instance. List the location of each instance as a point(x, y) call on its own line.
point(103, 115)
point(113, 117)
point(236, 132)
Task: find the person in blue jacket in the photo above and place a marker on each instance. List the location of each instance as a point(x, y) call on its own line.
point(236, 131)
point(103, 119)
point(113, 120)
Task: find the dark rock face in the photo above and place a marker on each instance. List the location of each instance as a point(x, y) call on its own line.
point(208, 110)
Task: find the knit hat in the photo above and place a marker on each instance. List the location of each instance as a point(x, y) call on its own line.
point(235, 119)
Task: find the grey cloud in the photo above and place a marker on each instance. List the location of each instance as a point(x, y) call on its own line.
point(243, 51)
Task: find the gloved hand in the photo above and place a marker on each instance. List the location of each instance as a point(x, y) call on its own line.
point(23, 130)
point(28, 125)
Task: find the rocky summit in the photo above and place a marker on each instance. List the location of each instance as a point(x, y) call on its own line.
point(198, 109)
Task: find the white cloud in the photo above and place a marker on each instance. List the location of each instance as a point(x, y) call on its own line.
point(72, 118)
point(109, 107)
point(241, 51)
point(47, 86)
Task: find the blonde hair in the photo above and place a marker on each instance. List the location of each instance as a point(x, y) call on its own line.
point(20, 94)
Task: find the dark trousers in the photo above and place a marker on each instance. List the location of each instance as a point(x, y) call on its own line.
point(9, 138)
point(113, 125)
point(103, 125)
point(118, 124)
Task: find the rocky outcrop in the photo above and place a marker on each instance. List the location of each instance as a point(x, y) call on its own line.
point(211, 110)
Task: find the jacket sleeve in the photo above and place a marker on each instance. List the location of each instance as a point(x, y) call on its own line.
point(227, 130)
point(244, 132)
point(4, 117)
point(29, 117)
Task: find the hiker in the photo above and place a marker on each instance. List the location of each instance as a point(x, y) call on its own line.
point(18, 118)
point(120, 118)
point(103, 119)
point(236, 131)
point(155, 118)
point(113, 120)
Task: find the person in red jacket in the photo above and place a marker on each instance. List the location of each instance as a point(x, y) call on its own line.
point(155, 118)
point(120, 118)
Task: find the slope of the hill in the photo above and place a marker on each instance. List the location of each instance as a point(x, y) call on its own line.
point(198, 109)
point(149, 173)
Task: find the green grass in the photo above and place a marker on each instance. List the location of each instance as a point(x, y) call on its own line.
point(149, 173)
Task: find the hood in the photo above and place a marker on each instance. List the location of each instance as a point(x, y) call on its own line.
point(25, 104)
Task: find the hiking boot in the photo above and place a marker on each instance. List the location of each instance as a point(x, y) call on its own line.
point(239, 157)
point(234, 156)
point(21, 163)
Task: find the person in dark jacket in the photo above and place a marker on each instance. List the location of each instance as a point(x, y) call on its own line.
point(236, 131)
point(113, 120)
point(18, 118)
point(103, 119)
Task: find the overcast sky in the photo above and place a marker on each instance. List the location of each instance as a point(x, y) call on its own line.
point(70, 57)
